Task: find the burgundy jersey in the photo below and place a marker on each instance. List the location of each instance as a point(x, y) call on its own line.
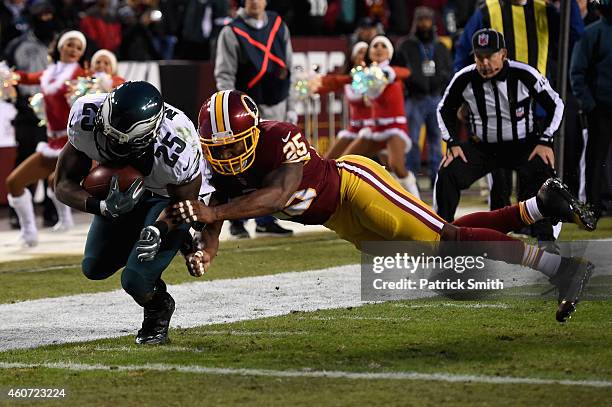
point(281, 143)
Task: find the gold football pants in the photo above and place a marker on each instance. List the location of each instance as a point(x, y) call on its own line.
point(373, 206)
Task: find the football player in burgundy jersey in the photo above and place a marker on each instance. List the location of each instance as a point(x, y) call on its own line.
point(268, 167)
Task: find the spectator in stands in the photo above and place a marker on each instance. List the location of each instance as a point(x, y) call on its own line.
point(588, 12)
point(436, 5)
point(341, 16)
point(431, 65)
point(367, 29)
point(12, 20)
point(398, 23)
point(456, 15)
point(101, 27)
point(142, 31)
point(591, 78)
point(201, 24)
point(378, 10)
point(523, 23)
point(29, 53)
point(244, 62)
point(68, 13)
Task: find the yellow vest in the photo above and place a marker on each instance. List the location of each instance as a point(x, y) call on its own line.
point(525, 29)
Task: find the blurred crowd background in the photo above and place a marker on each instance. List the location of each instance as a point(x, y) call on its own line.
point(186, 29)
point(158, 30)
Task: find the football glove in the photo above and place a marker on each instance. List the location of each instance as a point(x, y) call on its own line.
point(197, 263)
point(117, 202)
point(149, 243)
point(192, 250)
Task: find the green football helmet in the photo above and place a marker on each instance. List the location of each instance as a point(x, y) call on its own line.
point(128, 121)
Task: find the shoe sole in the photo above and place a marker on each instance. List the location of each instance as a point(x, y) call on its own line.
point(161, 341)
point(239, 237)
point(580, 215)
point(166, 338)
point(567, 308)
point(268, 234)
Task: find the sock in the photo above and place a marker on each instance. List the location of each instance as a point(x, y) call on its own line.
point(503, 220)
point(25, 212)
point(409, 184)
point(64, 213)
point(540, 260)
point(549, 263)
point(513, 252)
point(530, 213)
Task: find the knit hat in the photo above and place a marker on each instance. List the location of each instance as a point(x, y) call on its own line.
point(385, 41)
point(68, 35)
point(105, 53)
point(358, 47)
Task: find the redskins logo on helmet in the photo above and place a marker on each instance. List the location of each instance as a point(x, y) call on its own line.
point(228, 131)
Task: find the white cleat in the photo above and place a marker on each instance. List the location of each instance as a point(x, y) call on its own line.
point(62, 226)
point(29, 238)
point(409, 183)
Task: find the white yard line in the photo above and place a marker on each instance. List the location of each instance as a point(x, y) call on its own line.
point(438, 377)
point(87, 317)
point(356, 318)
point(451, 305)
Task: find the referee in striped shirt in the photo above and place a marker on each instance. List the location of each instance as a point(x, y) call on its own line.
point(500, 95)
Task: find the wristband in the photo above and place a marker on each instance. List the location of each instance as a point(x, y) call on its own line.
point(451, 142)
point(94, 205)
point(546, 141)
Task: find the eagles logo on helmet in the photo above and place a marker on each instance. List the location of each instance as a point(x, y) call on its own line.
point(228, 131)
point(128, 121)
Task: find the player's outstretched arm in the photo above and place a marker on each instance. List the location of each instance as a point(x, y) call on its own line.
point(151, 236)
point(199, 259)
point(278, 186)
point(72, 167)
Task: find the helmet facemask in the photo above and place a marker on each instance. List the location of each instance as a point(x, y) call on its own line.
point(115, 145)
point(215, 147)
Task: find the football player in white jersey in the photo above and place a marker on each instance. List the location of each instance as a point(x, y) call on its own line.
point(133, 125)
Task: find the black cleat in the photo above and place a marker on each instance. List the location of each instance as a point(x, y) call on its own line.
point(556, 202)
point(273, 229)
point(570, 280)
point(238, 231)
point(154, 329)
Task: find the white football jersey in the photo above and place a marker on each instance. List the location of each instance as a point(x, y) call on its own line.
point(177, 152)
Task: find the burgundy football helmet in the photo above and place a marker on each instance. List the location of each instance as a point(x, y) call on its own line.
point(228, 131)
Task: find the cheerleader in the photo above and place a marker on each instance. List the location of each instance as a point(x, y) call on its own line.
point(360, 111)
point(40, 165)
point(390, 132)
point(104, 67)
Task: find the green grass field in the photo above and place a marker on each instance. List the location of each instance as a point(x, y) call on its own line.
point(513, 348)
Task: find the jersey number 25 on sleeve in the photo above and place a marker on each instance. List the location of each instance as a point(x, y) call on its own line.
point(295, 149)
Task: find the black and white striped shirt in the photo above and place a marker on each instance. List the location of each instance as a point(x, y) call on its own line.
point(501, 108)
